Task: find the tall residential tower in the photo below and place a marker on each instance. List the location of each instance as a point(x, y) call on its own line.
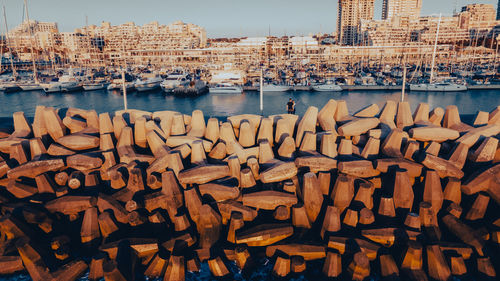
point(351, 12)
point(401, 8)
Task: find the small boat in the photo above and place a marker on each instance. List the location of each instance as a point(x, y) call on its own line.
point(29, 86)
point(66, 83)
point(117, 85)
point(175, 80)
point(148, 84)
point(438, 87)
point(328, 86)
point(12, 88)
point(8, 86)
point(225, 88)
point(275, 88)
point(95, 86)
point(195, 88)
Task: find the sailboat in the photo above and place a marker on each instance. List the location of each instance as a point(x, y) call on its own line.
point(92, 84)
point(432, 86)
point(8, 85)
point(30, 85)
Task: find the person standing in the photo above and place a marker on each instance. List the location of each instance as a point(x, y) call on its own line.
point(290, 106)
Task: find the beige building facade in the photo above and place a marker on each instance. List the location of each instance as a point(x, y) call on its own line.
point(350, 15)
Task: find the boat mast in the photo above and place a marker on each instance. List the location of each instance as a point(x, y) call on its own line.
point(261, 94)
point(89, 66)
point(404, 83)
point(4, 44)
point(14, 73)
point(124, 86)
point(31, 41)
point(435, 49)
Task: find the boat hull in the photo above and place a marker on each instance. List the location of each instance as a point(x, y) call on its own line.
point(115, 87)
point(11, 89)
point(61, 87)
point(231, 90)
point(95, 87)
point(147, 87)
point(170, 86)
point(275, 88)
point(437, 88)
point(327, 88)
point(31, 87)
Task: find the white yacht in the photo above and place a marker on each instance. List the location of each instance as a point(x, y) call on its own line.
point(175, 80)
point(66, 83)
point(225, 88)
point(438, 87)
point(328, 86)
point(148, 84)
point(275, 88)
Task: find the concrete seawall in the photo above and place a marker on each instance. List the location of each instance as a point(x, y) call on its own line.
point(155, 193)
point(377, 87)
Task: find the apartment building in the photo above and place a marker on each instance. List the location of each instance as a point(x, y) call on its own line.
point(478, 16)
point(401, 11)
point(473, 22)
point(350, 15)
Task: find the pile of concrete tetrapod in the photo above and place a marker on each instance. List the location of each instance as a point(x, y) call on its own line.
point(387, 193)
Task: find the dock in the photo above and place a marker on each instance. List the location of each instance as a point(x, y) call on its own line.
point(484, 87)
point(377, 87)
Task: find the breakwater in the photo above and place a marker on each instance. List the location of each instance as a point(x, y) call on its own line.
point(384, 191)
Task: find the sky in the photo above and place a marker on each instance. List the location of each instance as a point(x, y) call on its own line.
point(220, 18)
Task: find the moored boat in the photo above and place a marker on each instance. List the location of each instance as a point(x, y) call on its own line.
point(117, 85)
point(66, 83)
point(29, 86)
point(438, 87)
point(148, 84)
point(225, 88)
point(275, 88)
point(328, 86)
point(175, 80)
point(95, 86)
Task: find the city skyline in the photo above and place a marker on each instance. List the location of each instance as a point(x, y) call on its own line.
point(294, 18)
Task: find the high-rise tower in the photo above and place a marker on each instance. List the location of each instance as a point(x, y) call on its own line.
point(401, 8)
point(351, 12)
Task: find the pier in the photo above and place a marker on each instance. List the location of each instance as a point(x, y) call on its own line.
point(378, 87)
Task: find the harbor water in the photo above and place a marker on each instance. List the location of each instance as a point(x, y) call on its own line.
point(222, 105)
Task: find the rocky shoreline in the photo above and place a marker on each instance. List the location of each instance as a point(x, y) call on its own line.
point(381, 192)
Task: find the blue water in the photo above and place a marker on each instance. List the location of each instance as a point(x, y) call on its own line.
point(223, 105)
